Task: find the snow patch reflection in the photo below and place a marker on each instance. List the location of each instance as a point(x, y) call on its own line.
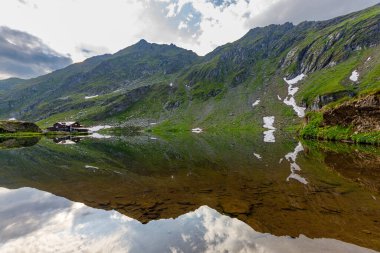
point(268, 124)
point(294, 167)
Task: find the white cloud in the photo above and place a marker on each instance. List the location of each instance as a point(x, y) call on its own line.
point(200, 25)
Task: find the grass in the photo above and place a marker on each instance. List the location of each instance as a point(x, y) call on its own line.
point(315, 129)
point(20, 134)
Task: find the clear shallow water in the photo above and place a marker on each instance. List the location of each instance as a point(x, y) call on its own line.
point(190, 193)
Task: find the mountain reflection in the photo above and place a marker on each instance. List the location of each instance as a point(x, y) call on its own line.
point(42, 222)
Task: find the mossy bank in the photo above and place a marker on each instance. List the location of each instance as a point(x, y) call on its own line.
point(356, 120)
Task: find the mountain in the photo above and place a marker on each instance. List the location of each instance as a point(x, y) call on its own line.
point(234, 86)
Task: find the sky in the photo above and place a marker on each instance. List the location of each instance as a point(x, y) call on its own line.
point(38, 36)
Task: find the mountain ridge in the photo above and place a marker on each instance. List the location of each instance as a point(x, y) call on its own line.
point(148, 82)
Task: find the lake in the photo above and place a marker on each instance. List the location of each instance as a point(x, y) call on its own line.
point(188, 193)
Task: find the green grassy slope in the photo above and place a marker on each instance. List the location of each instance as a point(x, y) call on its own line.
point(148, 83)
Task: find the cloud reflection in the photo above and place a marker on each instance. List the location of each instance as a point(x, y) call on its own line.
point(36, 221)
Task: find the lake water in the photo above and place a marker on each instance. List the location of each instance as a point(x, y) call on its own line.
point(188, 193)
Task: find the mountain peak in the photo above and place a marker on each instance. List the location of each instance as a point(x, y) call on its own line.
point(143, 41)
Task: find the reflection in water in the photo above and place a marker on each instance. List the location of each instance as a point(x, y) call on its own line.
point(41, 222)
point(171, 177)
point(268, 124)
point(17, 142)
point(67, 140)
point(294, 167)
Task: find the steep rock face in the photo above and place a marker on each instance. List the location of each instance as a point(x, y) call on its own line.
point(362, 114)
point(333, 41)
point(233, 62)
point(18, 126)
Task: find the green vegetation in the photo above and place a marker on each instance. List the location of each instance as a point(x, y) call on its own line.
point(315, 129)
point(178, 90)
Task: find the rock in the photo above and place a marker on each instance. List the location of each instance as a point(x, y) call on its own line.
point(363, 114)
point(18, 126)
point(323, 100)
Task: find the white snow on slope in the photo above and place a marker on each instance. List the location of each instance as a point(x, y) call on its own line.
point(289, 100)
point(89, 97)
point(257, 102)
point(197, 130)
point(98, 128)
point(100, 136)
point(354, 76)
point(295, 80)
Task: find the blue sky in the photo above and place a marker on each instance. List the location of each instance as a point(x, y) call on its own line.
point(72, 30)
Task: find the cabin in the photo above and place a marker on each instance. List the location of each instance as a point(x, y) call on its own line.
point(71, 126)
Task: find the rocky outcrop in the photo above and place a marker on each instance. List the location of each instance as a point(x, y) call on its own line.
point(323, 100)
point(362, 114)
point(18, 126)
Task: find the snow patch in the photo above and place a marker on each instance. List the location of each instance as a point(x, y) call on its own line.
point(298, 109)
point(98, 128)
point(89, 97)
point(369, 58)
point(91, 167)
point(197, 130)
point(279, 98)
point(295, 80)
point(268, 124)
point(100, 136)
point(257, 156)
point(116, 91)
point(354, 76)
point(12, 119)
point(257, 102)
point(289, 100)
point(294, 167)
point(171, 84)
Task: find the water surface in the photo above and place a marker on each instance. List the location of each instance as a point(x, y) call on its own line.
point(207, 192)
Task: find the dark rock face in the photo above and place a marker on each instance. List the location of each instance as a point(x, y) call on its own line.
point(323, 100)
point(172, 105)
point(334, 47)
point(18, 126)
point(362, 114)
